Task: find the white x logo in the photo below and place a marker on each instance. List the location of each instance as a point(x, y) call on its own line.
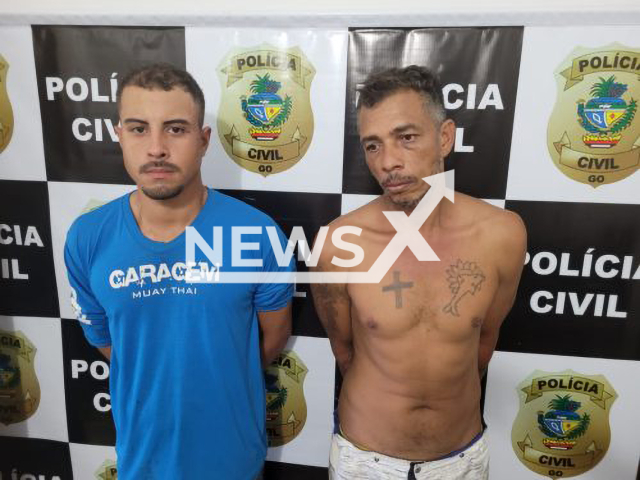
point(408, 226)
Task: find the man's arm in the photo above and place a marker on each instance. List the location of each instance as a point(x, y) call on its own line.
point(89, 311)
point(106, 351)
point(511, 241)
point(334, 310)
point(275, 329)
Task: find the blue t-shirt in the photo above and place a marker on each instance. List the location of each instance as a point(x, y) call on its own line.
point(187, 390)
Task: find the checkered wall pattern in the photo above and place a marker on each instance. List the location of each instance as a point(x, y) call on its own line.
point(546, 127)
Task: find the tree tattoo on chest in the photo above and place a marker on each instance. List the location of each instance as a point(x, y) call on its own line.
point(464, 278)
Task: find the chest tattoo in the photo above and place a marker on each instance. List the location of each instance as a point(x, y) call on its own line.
point(464, 278)
point(397, 287)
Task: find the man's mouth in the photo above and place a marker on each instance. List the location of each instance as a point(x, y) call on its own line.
point(158, 171)
point(396, 186)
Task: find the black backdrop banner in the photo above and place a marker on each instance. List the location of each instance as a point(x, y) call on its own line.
point(478, 69)
point(78, 71)
point(580, 290)
point(86, 381)
point(27, 277)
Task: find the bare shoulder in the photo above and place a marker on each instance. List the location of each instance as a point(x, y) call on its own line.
point(355, 227)
point(495, 222)
point(366, 217)
point(502, 231)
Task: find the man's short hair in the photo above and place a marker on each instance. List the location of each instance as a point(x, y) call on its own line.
point(380, 85)
point(163, 76)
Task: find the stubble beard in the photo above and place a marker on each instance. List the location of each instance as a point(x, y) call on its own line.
point(438, 167)
point(162, 192)
point(408, 204)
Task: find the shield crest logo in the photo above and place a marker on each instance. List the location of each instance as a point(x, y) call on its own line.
point(286, 405)
point(265, 121)
point(19, 386)
point(562, 428)
point(107, 471)
point(6, 112)
point(593, 135)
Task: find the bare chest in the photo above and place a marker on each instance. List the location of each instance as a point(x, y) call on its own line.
point(447, 299)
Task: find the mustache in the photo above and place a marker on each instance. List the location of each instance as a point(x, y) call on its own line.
point(163, 165)
point(397, 178)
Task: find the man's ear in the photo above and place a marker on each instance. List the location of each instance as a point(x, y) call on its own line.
point(206, 139)
point(447, 136)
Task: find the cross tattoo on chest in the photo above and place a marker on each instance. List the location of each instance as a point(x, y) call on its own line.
point(397, 287)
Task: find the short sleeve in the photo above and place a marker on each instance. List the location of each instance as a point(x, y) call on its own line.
point(88, 310)
point(274, 296)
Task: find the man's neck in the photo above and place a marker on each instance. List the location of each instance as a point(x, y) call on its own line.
point(164, 220)
point(433, 223)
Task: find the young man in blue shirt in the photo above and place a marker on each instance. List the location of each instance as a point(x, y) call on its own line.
point(186, 383)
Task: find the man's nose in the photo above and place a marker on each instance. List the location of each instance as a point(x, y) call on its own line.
point(157, 145)
point(391, 158)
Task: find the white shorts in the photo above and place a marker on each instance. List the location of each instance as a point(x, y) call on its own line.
point(348, 462)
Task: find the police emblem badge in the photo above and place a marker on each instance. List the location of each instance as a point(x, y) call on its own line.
point(286, 405)
point(265, 121)
point(6, 113)
point(107, 471)
point(593, 135)
point(562, 428)
point(19, 386)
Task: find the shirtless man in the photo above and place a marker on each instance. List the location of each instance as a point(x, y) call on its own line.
point(413, 348)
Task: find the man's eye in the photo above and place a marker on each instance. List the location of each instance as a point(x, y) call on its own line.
point(176, 130)
point(408, 137)
point(371, 148)
point(139, 129)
